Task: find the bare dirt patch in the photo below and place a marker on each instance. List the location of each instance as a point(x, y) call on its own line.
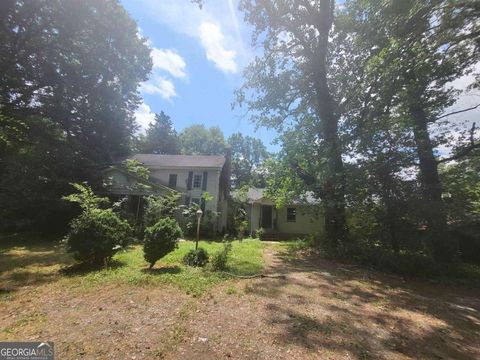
point(319, 310)
point(108, 322)
point(326, 310)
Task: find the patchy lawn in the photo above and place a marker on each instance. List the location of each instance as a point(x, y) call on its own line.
point(319, 309)
point(25, 262)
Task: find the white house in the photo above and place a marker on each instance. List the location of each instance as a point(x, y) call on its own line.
point(298, 218)
point(190, 175)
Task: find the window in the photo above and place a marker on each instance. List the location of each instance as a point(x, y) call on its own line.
point(196, 201)
point(172, 180)
point(197, 181)
point(291, 214)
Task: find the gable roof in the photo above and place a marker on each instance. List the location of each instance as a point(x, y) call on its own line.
point(180, 161)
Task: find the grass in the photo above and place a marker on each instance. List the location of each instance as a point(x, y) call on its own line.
point(245, 259)
point(35, 318)
point(27, 261)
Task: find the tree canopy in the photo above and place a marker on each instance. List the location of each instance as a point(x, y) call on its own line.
point(199, 140)
point(358, 93)
point(68, 91)
point(160, 137)
point(248, 157)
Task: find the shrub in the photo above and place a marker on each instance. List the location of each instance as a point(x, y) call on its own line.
point(407, 264)
point(220, 258)
point(96, 235)
point(259, 233)
point(196, 258)
point(160, 239)
point(189, 221)
point(468, 235)
point(159, 207)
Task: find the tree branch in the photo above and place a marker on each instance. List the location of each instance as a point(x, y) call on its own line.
point(465, 151)
point(456, 112)
point(308, 179)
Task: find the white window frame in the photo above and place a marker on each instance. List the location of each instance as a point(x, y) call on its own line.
point(294, 214)
point(199, 176)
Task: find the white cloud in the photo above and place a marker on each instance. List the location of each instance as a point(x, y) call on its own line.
point(144, 116)
point(457, 126)
point(165, 61)
point(222, 37)
point(169, 61)
point(159, 85)
point(213, 41)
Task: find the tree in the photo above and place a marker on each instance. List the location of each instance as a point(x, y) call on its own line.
point(161, 239)
point(68, 92)
point(409, 72)
point(248, 156)
point(96, 234)
point(293, 86)
point(200, 140)
point(160, 137)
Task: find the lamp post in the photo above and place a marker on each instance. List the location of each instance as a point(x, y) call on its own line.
point(199, 217)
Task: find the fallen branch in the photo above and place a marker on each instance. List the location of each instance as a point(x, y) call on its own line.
point(255, 276)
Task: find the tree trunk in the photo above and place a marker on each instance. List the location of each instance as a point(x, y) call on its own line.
point(387, 187)
point(334, 188)
point(442, 247)
point(392, 225)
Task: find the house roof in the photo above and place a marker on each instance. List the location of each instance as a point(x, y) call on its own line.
point(151, 186)
point(175, 161)
point(258, 194)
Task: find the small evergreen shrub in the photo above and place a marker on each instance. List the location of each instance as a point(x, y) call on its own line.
point(220, 258)
point(197, 258)
point(96, 235)
point(160, 239)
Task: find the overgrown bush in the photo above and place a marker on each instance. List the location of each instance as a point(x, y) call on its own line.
point(197, 258)
point(220, 258)
point(259, 233)
point(468, 235)
point(408, 264)
point(208, 226)
point(96, 235)
point(160, 239)
point(159, 207)
point(241, 222)
point(189, 221)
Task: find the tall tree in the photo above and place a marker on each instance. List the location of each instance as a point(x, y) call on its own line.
point(68, 91)
point(292, 80)
point(160, 137)
point(199, 140)
point(248, 156)
point(417, 54)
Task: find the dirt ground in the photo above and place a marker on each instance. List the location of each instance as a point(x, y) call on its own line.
point(310, 309)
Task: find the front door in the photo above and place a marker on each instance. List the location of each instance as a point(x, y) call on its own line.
point(267, 211)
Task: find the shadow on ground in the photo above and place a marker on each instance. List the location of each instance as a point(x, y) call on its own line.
point(344, 309)
point(162, 270)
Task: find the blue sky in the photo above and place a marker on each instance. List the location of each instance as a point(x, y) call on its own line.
point(198, 57)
